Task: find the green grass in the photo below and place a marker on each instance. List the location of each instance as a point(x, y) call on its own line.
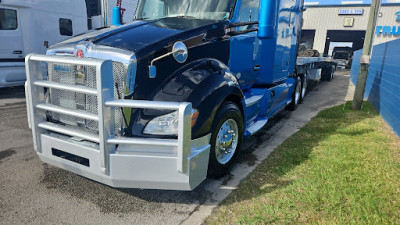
point(341, 168)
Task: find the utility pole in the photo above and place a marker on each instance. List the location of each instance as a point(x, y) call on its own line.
point(366, 55)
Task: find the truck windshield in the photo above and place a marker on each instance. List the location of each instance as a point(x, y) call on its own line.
point(199, 9)
point(8, 19)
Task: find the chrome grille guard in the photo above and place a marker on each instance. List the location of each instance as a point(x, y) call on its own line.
point(106, 139)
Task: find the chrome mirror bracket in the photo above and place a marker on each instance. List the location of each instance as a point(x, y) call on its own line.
point(179, 52)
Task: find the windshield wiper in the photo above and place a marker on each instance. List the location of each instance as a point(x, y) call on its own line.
point(143, 18)
point(181, 16)
point(189, 17)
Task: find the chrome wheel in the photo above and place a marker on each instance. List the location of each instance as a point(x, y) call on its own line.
point(227, 141)
point(297, 92)
point(304, 89)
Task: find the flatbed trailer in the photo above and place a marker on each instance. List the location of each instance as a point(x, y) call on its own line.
point(317, 68)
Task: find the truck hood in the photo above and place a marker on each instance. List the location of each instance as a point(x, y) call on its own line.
point(141, 34)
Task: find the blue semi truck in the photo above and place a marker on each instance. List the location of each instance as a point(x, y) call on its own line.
point(167, 100)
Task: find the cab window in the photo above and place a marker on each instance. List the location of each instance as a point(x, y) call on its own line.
point(249, 10)
point(153, 9)
point(66, 27)
point(8, 19)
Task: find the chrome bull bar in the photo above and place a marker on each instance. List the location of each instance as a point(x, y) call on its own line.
point(190, 158)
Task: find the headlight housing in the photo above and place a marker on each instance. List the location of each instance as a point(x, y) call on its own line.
point(167, 124)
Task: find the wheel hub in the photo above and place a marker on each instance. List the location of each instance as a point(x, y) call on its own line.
point(226, 141)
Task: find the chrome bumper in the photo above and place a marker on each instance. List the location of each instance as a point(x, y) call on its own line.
point(178, 164)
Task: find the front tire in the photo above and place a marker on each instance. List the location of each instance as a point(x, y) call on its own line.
point(226, 138)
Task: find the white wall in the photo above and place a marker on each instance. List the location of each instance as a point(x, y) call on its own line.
point(128, 5)
point(323, 19)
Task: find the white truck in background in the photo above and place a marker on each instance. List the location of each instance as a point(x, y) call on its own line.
point(31, 26)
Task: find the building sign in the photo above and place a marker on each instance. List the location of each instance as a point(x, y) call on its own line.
point(348, 22)
point(389, 30)
point(351, 11)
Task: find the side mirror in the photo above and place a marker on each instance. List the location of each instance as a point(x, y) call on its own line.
point(180, 53)
point(267, 19)
point(152, 71)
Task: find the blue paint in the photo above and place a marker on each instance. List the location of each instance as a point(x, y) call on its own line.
point(397, 16)
point(59, 68)
point(117, 16)
point(383, 83)
point(274, 49)
point(395, 31)
point(267, 21)
point(388, 30)
point(275, 55)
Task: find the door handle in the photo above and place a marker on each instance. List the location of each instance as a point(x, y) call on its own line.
point(256, 68)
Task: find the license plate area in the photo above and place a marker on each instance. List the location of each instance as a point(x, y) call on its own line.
point(70, 157)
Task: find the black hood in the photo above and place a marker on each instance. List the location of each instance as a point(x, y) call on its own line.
point(138, 35)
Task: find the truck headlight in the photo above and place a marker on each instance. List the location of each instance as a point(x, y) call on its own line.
point(167, 124)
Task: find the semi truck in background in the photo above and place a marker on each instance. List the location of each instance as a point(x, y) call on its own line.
point(343, 56)
point(165, 100)
point(31, 26)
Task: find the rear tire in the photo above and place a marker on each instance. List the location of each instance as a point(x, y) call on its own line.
point(304, 84)
point(226, 138)
point(328, 73)
point(296, 96)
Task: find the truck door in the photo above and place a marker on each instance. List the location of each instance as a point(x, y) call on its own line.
point(243, 60)
point(11, 42)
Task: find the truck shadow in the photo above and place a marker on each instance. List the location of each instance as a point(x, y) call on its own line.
point(111, 200)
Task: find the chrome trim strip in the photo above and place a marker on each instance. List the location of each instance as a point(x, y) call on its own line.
point(69, 131)
point(71, 112)
point(143, 141)
point(253, 100)
point(65, 87)
point(144, 104)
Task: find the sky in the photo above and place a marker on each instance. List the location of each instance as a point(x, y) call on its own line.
point(344, 2)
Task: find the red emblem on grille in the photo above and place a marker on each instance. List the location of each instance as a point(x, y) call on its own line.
point(79, 54)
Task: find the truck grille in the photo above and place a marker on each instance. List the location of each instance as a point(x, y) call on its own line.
point(81, 76)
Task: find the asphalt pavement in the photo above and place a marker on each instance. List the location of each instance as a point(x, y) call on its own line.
point(32, 192)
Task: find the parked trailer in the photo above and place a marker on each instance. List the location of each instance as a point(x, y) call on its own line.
point(166, 100)
point(32, 26)
point(317, 68)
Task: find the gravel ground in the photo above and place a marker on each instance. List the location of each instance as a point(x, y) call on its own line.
point(32, 192)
